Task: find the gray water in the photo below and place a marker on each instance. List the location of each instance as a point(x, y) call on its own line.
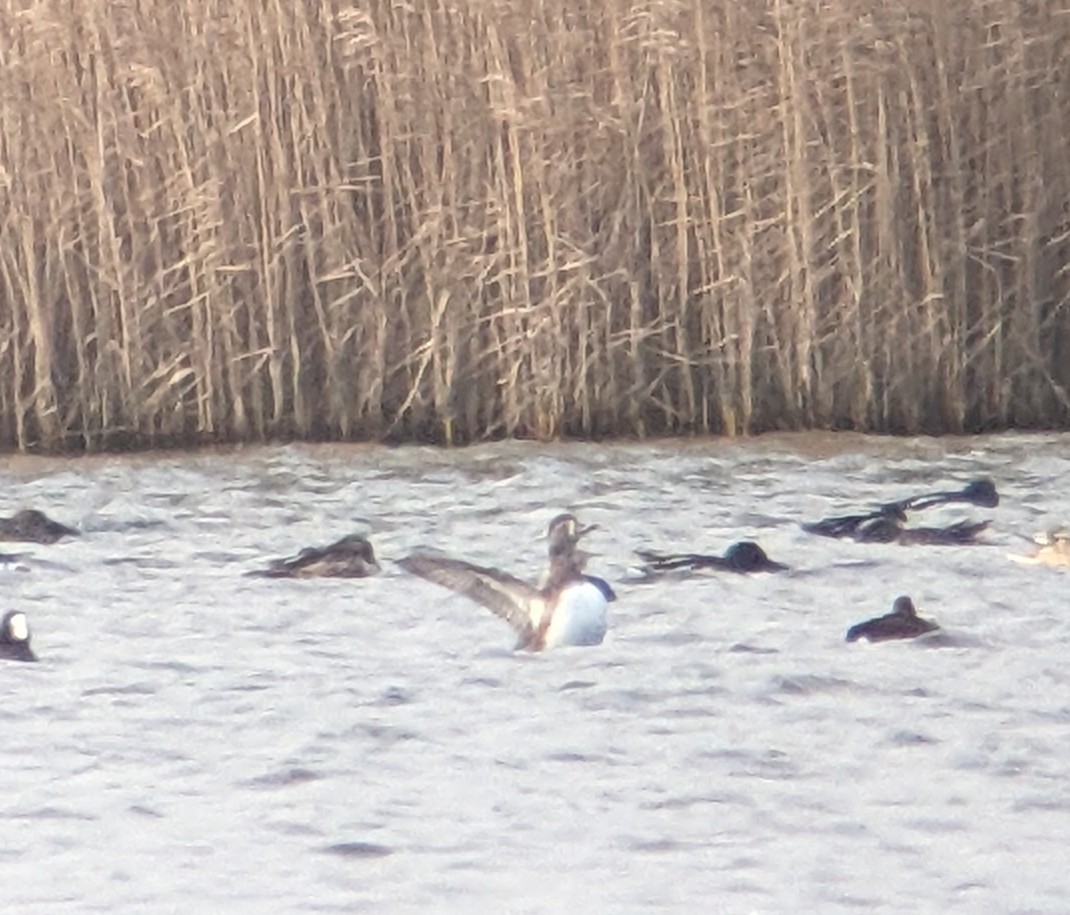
point(198, 741)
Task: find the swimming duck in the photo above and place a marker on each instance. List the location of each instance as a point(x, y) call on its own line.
point(902, 623)
point(879, 525)
point(1053, 549)
point(980, 492)
point(849, 525)
point(32, 525)
point(742, 557)
point(15, 637)
point(350, 557)
point(566, 608)
point(890, 530)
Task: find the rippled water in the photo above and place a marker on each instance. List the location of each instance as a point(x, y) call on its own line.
point(195, 740)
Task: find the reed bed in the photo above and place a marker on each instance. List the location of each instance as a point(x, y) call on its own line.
point(459, 219)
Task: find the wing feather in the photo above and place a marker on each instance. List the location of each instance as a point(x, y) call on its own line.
point(508, 597)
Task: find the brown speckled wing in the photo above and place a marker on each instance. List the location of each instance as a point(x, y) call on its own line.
point(508, 597)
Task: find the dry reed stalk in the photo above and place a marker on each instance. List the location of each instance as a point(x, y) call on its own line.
point(463, 220)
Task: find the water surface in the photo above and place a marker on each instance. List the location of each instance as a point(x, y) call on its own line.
point(197, 740)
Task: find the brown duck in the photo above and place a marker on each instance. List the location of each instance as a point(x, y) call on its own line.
point(350, 557)
point(33, 526)
point(902, 623)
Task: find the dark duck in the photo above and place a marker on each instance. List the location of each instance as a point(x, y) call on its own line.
point(33, 526)
point(887, 523)
point(902, 623)
point(742, 557)
point(891, 530)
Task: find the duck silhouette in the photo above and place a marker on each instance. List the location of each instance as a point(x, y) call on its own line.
point(350, 557)
point(33, 526)
point(886, 523)
point(743, 557)
point(902, 623)
point(890, 530)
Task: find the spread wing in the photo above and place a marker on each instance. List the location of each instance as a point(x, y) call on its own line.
point(508, 597)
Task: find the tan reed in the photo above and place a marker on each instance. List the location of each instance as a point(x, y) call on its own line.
point(464, 219)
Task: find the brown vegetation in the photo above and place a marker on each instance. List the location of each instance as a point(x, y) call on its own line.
point(457, 219)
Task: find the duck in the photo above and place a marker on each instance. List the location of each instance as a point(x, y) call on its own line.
point(889, 530)
point(566, 607)
point(350, 557)
point(742, 557)
point(15, 637)
point(902, 623)
point(848, 525)
point(1053, 549)
point(880, 524)
point(33, 526)
point(981, 492)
